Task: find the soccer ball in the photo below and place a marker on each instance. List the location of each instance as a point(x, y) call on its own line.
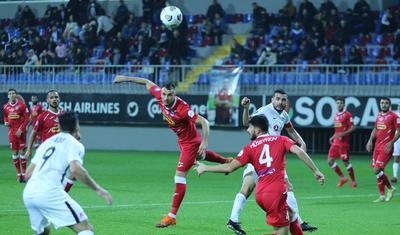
point(171, 17)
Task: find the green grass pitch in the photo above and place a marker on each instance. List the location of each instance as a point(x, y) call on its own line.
point(142, 186)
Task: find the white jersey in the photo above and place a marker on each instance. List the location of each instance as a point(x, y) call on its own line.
point(276, 121)
point(52, 160)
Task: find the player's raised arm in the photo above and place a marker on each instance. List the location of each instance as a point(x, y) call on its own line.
point(371, 140)
point(223, 168)
point(80, 173)
point(205, 127)
point(138, 80)
point(245, 116)
point(296, 137)
point(307, 160)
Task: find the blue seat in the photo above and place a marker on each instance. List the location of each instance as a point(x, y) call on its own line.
point(291, 79)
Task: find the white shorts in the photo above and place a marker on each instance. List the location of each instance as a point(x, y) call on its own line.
point(250, 170)
point(396, 151)
point(56, 208)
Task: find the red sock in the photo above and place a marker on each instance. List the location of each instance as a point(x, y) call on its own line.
point(295, 228)
point(23, 165)
point(337, 170)
point(351, 173)
point(385, 181)
point(381, 186)
point(16, 163)
point(180, 190)
point(214, 157)
point(68, 186)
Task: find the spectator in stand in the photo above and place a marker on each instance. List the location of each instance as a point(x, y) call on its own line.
point(46, 57)
point(355, 58)
point(249, 53)
point(28, 18)
point(37, 45)
point(20, 58)
point(55, 34)
point(55, 17)
point(32, 60)
point(330, 33)
point(317, 35)
point(360, 7)
point(297, 33)
point(158, 5)
point(61, 53)
point(88, 35)
point(326, 7)
point(3, 57)
point(332, 57)
point(71, 29)
point(267, 56)
point(215, 8)
point(344, 33)
point(142, 48)
point(116, 57)
point(289, 10)
point(147, 10)
point(4, 37)
point(105, 26)
point(46, 16)
point(396, 46)
point(129, 29)
point(236, 50)
point(94, 9)
point(207, 29)
point(306, 20)
point(219, 28)
point(121, 15)
point(257, 15)
point(18, 20)
point(309, 49)
point(387, 22)
point(282, 19)
point(223, 101)
point(177, 48)
point(161, 36)
point(63, 14)
point(122, 44)
point(73, 10)
point(309, 6)
point(144, 30)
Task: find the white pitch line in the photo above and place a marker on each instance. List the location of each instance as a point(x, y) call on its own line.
point(21, 209)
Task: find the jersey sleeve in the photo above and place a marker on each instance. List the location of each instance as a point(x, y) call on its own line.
point(155, 91)
point(244, 156)
point(396, 121)
point(350, 119)
point(38, 123)
point(76, 153)
point(288, 124)
point(189, 114)
point(287, 142)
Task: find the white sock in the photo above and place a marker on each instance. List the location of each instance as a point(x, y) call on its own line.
point(238, 206)
point(292, 202)
point(172, 215)
point(395, 169)
point(86, 232)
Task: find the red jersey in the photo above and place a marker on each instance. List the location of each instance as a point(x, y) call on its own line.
point(47, 124)
point(267, 155)
point(35, 111)
point(16, 115)
point(342, 122)
point(385, 125)
point(179, 117)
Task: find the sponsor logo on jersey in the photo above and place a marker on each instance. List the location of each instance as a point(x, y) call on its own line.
point(55, 129)
point(338, 124)
point(13, 116)
point(168, 120)
point(381, 126)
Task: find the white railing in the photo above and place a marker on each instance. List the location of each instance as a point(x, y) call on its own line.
point(297, 79)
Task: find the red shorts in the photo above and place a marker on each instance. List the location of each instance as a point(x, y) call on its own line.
point(188, 156)
point(339, 151)
point(380, 158)
point(16, 143)
point(275, 205)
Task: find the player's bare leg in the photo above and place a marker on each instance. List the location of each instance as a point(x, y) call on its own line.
point(350, 169)
point(17, 164)
point(212, 156)
point(382, 181)
point(283, 230)
point(247, 188)
point(336, 169)
point(180, 189)
point(396, 161)
point(294, 209)
point(82, 228)
point(23, 162)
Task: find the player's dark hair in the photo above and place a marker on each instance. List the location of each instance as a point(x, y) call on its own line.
point(280, 91)
point(11, 89)
point(388, 99)
point(68, 121)
point(170, 86)
point(51, 91)
point(341, 98)
point(259, 121)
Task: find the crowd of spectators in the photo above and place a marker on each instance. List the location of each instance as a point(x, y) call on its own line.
point(80, 31)
point(306, 34)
